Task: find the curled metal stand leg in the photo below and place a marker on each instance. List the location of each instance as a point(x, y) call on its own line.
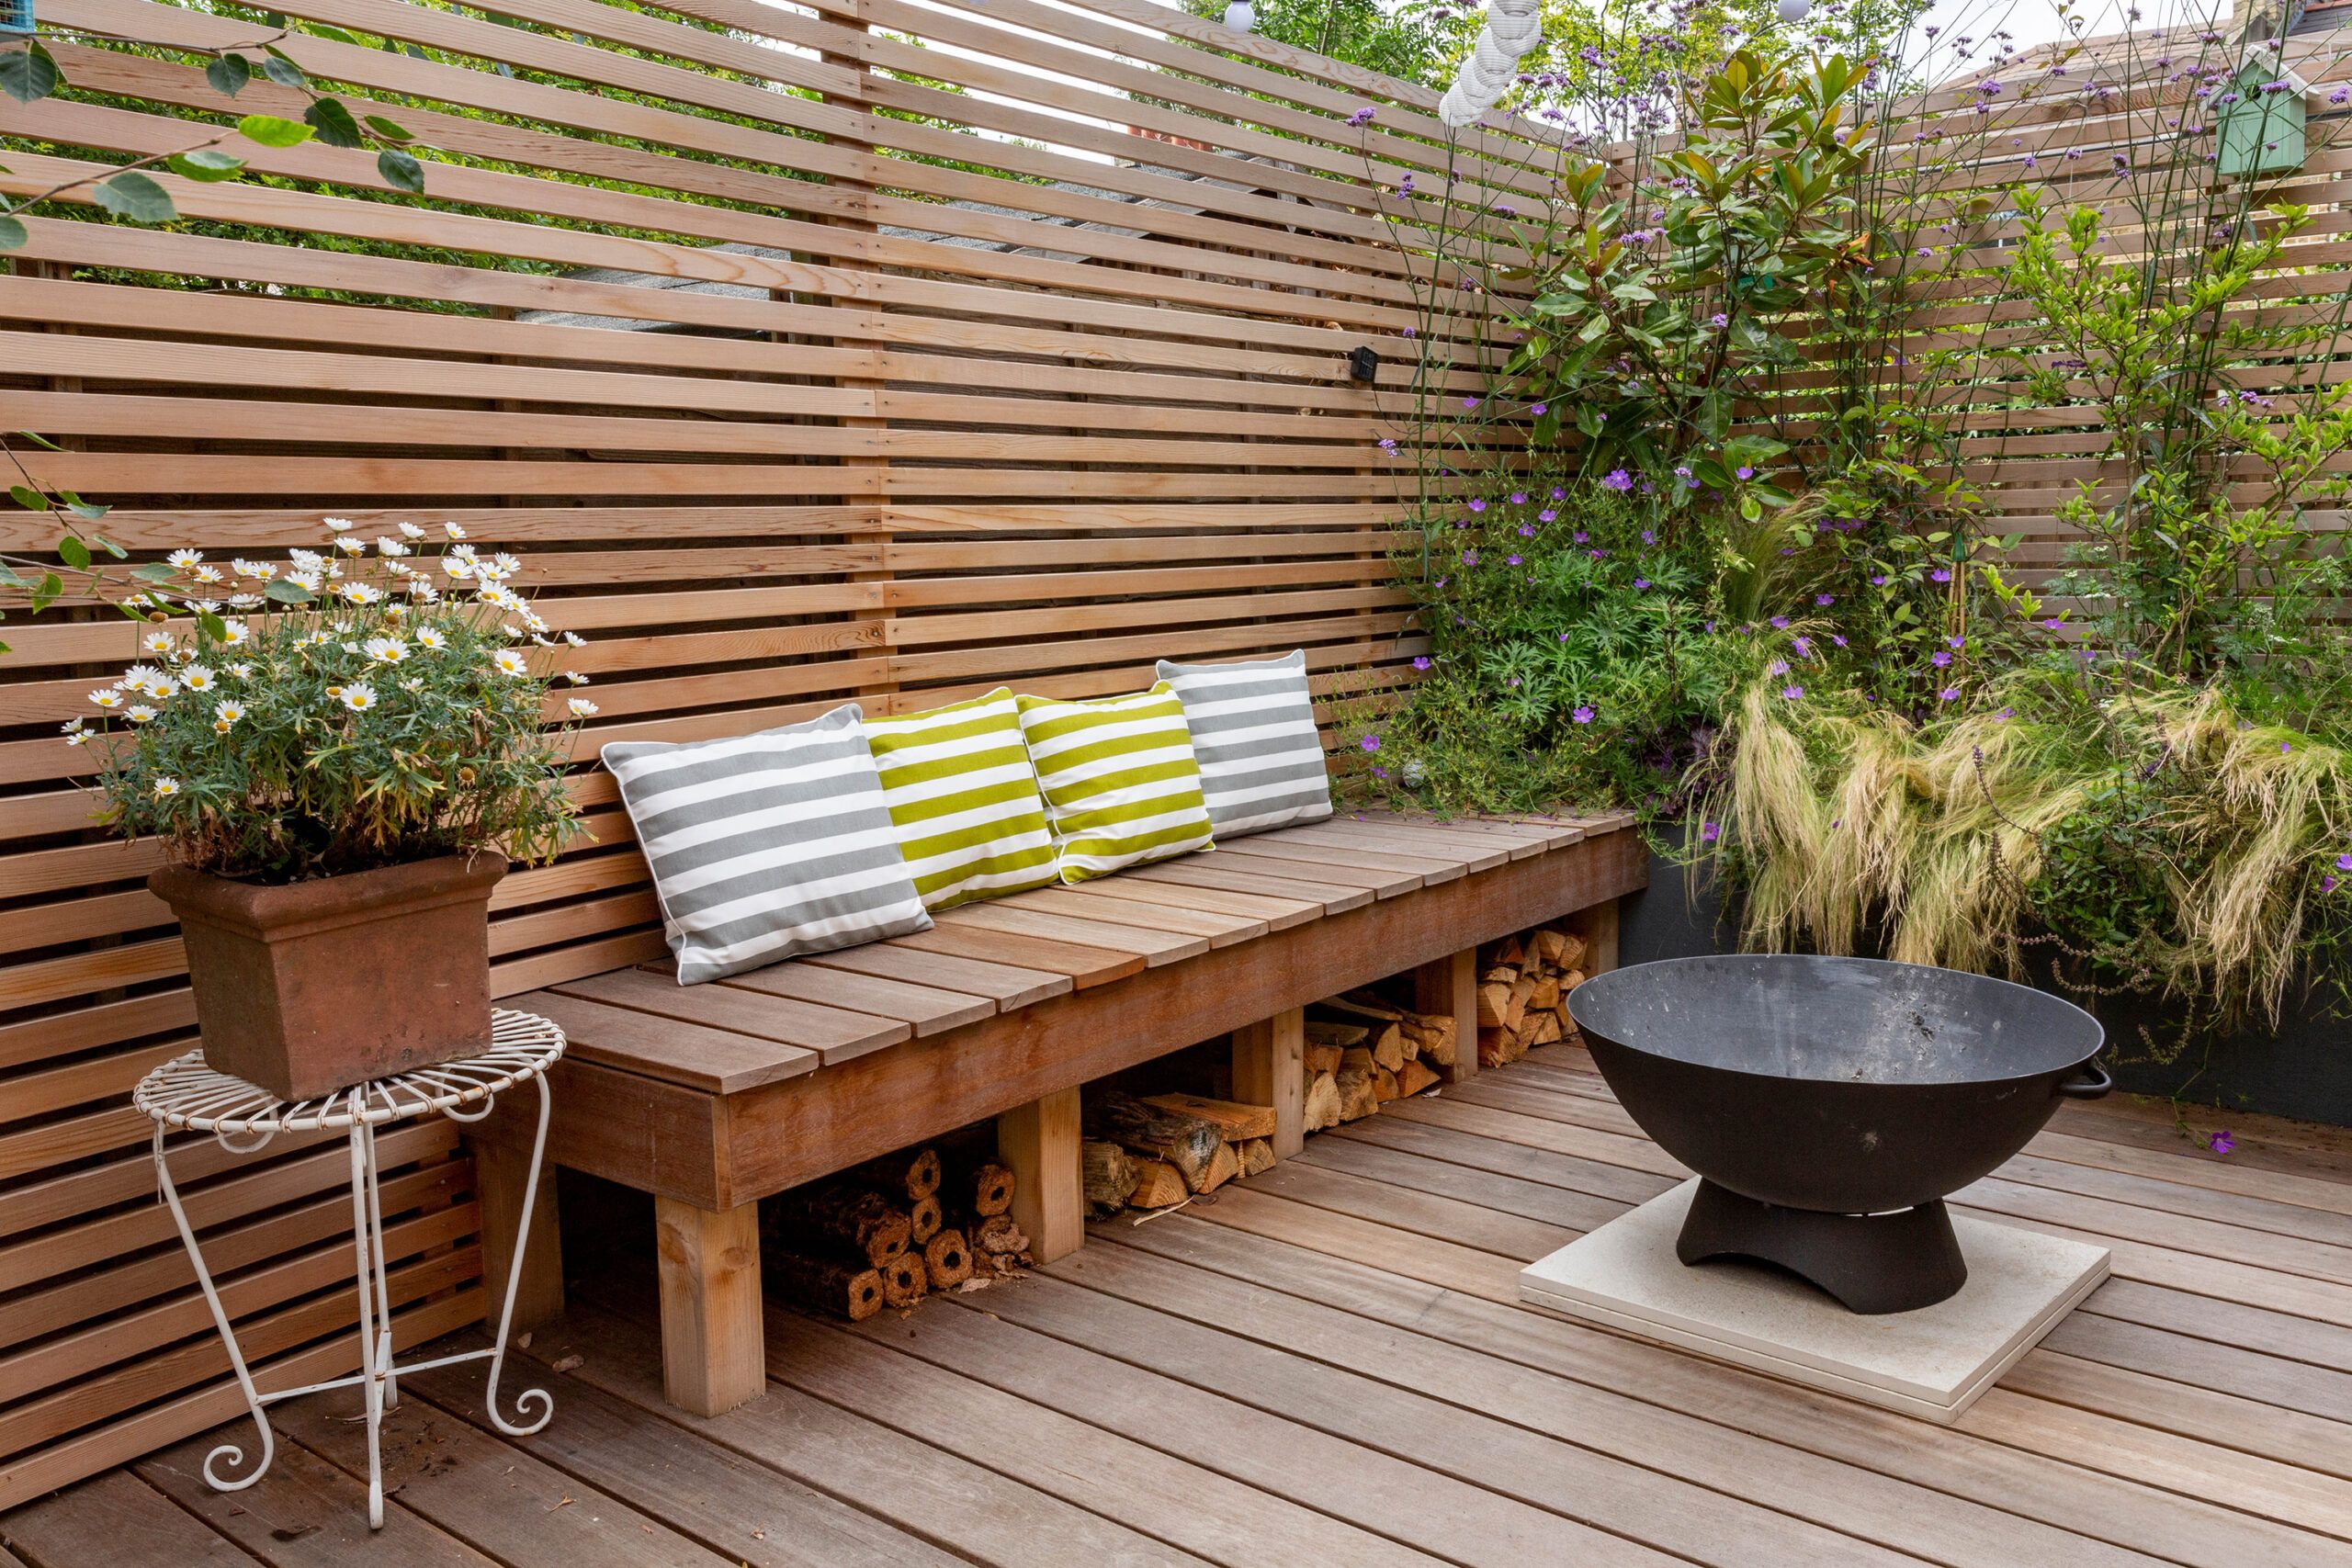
point(531, 1400)
point(374, 1362)
point(229, 1451)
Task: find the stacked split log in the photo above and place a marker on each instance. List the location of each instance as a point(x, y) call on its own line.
point(892, 1231)
point(1362, 1052)
point(1160, 1151)
point(1524, 986)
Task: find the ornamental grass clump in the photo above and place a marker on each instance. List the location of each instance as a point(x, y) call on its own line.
point(2127, 834)
point(364, 705)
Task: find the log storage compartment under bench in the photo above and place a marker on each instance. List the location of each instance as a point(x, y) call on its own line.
point(712, 1097)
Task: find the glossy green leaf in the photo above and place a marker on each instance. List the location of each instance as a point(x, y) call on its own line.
point(229, 74)
point(272, 132)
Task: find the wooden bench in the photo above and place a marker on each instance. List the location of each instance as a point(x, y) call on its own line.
point(713, 1096)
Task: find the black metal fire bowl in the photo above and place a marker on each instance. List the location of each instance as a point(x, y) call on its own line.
point(1829, 1104)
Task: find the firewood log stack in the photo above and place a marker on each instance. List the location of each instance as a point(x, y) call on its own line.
point(890, 1232)
point(1156, 1152)
point(1362, 1052)
point(1524, 986)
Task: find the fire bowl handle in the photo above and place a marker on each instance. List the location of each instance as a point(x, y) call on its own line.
point(2093, 1084)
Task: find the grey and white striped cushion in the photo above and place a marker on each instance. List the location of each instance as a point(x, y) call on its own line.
point(763, 846)
point(1253, 730)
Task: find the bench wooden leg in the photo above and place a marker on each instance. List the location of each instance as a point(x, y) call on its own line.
point(712, 1354)
point(1039, 1143)
point(1449, 986)
point(1598, 926)
point(1270, 1068)
point(501, 1172)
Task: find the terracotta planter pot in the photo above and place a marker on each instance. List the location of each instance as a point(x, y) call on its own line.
point(310, 986)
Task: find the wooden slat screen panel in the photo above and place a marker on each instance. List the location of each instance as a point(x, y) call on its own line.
point(789, 390)
point(2059, 135)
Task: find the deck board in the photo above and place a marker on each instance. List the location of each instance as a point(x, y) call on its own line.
point(1328, 1363)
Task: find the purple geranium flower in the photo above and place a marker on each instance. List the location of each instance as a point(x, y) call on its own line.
point(1792, 693)
point(1745, 472)
point(1710, 831)
point(1940, 575)
point(1582, 715)
point(2222, 1143)
point(1422, 662)
point(1617, 480)
point(1940, 658)
point(1641, 584)
point(1947, 693)
point(1370, 742)
point(1825, 600)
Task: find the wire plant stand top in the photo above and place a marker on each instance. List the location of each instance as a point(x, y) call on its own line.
point(184, 1093)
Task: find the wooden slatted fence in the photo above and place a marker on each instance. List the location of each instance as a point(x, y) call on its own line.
point(860, 350)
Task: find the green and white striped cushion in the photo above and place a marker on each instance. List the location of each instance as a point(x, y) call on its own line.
point(1120, 779)
point(960, 790)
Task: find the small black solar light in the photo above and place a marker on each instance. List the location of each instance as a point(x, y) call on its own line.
point(1363, 363)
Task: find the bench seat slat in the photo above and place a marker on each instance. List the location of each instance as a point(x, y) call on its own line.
point(1322, 863)
point(1221, 928)
point(1084, 967)
point(716, 1061)
point(1008, 986)
point(1344, 833)
point(1524, 839)
point(833, 1035)
point(927, 1009)
point(1155, 947)
point(1277, 914)
point(1552, 835)
point(1223, 870)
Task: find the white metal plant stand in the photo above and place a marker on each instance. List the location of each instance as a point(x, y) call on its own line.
point(185, 1094)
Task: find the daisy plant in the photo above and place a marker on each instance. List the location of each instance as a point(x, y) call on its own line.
point(366, 704)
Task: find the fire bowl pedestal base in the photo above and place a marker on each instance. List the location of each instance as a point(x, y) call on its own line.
point(1874, 1263)
point(1932, 1363)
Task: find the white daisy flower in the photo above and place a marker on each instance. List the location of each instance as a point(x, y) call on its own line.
point(461, 552)
point(581, 708)
point(79, 738)
point(306, 560)
point(261, 569)
point(246, 601)
point(359, 592)
point(390, 548)
point(412, 683)
point(351, 546)
point(197, 678)
point(226, 714)
point(510, 662)
point(411, 531)
point(433, 637)
point(106, 697)
point(458, 567)
point(507, 565)
point(74, 725)
point(308, 581)
point(384, 650)
point(206, 574)
point(575, 639)
point(185, 559)
point(156, 642)
point(242, 672)
point(576, 677)
point(358, 698)
point(138, 713)
point(340, 524)
point(167, 787)
point(139, 676)
point(233, 634)
point(500, 595)
point(453, 530)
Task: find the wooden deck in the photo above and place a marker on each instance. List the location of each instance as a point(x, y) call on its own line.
point(1325, 1365)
